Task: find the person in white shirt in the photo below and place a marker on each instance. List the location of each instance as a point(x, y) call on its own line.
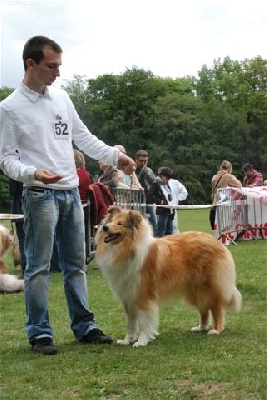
point(38, 124)
point(165, 193)
point(179, 194)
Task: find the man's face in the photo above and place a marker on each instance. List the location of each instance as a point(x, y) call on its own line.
point(46, 72)
point(141, 161)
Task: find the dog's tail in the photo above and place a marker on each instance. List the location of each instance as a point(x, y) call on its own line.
point(10, 284)
point(226, 275)
point(236, 300)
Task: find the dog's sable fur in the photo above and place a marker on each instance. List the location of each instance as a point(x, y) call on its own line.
point(146, 272)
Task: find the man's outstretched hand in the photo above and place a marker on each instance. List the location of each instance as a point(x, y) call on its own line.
point(43, 175)
point(126, 164)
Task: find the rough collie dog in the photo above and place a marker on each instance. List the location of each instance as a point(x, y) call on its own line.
point(8, 283)
point(146, 272)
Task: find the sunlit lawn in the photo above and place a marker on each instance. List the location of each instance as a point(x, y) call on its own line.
point(177, 365)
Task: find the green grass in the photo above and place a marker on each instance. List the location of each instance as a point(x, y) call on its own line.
point(177, 365)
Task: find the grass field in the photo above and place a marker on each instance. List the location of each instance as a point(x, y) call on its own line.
point(177, 365)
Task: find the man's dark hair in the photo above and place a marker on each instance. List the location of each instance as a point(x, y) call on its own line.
point(141, 153)
point(165, 171)
point(247, 167)
point(34, 49)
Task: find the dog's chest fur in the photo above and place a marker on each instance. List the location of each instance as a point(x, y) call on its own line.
point(123, 269)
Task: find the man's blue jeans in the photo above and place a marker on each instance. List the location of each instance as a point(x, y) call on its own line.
point(48, 213)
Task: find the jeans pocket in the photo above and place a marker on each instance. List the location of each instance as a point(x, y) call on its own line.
point(34, 196)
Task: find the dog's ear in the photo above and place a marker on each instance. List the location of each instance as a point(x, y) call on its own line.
point(135, 218)
point(112, 210)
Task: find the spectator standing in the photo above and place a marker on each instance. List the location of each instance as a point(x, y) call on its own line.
point(127, 181)
point(146, 177)
point(179, 194)
point(166, 191)
point(220, 180)
point(41, 122)
point(84, 182)
point(251, 176)
point(108, 176)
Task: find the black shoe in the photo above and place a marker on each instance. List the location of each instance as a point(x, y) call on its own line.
point(96, 336)
point(44, 346)
point(89, 259)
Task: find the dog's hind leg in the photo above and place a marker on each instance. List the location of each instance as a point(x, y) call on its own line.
point(132, 327)
point(3, 267)
point(148, 325)
point(203, 322)
point(217, 316)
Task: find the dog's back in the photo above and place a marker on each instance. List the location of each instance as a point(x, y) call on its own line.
point(194, 266)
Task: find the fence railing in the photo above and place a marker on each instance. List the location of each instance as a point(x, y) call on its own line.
point(130, 199)
point(239, 216)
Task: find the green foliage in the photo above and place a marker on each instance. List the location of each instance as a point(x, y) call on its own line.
point(190, 124)
point(5, 200)
point(4, 92)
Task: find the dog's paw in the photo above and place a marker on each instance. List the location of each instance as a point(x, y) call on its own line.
point(143, 340)
point(213, 332)
point(199, 329)
point(140, 343)
point(124, 342)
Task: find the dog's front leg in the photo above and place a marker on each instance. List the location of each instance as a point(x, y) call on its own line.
point(132, 327)
point(148, 325)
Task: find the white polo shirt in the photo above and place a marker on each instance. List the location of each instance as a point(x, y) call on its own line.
point(43, 128)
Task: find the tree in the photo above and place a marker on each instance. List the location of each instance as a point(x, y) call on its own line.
point(243, 86)
point(189, 124)
point(4, 92)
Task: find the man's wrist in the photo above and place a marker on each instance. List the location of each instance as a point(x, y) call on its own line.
point(121, 155)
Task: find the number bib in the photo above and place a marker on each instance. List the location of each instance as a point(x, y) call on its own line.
point(61, 130)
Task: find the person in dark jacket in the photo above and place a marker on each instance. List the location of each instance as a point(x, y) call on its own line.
point(156, 196)
point(146, 178)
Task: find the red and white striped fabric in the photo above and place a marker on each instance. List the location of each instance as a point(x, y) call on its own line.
point(259, 192)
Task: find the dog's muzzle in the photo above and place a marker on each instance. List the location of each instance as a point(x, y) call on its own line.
point(105, 228)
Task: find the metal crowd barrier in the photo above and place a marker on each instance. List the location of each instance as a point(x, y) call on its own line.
point(240, 217)
point(130, 199)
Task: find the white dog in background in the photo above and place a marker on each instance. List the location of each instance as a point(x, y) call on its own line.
point(8, 283)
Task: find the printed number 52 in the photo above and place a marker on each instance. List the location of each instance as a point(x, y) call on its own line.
point(61, 128)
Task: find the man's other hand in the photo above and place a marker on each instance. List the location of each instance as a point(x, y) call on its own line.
point(126, 164)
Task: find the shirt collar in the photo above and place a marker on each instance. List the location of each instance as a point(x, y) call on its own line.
point(32, 95)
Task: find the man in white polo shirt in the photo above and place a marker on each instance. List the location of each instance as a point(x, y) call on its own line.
point(38, 125)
